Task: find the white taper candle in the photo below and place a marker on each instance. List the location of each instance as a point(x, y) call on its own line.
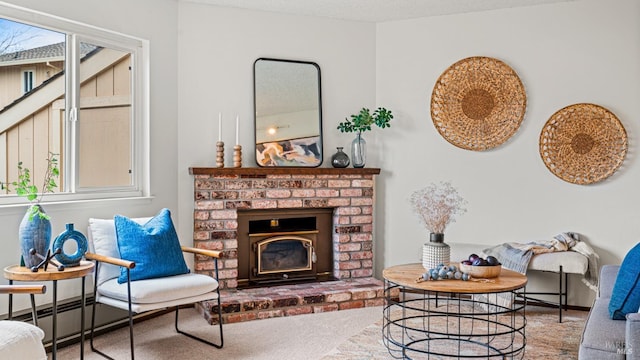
point(219, 126)
point(237, 128)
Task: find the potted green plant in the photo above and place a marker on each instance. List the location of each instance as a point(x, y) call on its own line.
point(35, 228)
point(361, 122)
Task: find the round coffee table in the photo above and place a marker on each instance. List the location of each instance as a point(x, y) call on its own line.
point(478, 318)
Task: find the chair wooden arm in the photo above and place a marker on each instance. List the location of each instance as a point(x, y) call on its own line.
point(110, 260)
point(22, 289)
point(211, 253)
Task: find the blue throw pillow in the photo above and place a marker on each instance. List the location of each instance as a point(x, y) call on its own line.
point(154, 247)
point(625, 298)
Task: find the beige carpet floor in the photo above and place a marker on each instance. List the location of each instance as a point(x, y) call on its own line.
point(345, 335)
point(305, 337)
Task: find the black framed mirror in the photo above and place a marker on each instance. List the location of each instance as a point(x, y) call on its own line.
point(288, 113)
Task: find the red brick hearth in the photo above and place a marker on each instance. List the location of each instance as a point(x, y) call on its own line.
point(220, 192)
point(288, 300)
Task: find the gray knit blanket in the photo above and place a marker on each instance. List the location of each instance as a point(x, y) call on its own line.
point(516, 256)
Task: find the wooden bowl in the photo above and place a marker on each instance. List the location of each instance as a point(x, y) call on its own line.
point(481, 272)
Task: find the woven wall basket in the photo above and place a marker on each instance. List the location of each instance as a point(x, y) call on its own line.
point(478, 103)
point(583, 143)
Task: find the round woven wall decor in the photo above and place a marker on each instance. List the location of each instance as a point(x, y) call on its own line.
point(478, 103)
point(583, 143)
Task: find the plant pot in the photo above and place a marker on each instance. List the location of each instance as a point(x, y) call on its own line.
point(34, 234)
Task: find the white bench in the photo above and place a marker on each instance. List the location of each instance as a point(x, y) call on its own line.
point(563, 263)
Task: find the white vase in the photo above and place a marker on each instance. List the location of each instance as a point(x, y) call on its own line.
point(435, 252)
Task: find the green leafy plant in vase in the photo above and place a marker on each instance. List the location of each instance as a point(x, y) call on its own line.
point(24, 186)
point(359, 123)
point(35, 228)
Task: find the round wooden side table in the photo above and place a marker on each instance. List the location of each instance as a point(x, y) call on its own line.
point(22, 273)
point(452, 318)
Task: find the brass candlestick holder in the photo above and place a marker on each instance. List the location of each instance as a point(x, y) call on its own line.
point(237, 156)
point(220, 154)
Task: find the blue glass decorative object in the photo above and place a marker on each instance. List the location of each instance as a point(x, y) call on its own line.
point(81, 241)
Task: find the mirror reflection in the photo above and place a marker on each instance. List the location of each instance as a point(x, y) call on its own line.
point(288, 113)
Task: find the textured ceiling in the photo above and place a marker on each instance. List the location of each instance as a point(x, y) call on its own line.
point(374, 10)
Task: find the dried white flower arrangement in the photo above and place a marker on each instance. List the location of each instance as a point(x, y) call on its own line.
point(437, 205)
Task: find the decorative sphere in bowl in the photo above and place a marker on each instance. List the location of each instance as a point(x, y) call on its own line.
point(481, 272)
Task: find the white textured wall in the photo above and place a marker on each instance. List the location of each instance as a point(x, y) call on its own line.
point(582, 51)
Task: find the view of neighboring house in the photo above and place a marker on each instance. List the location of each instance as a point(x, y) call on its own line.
point(22, 71)
point(32, 113)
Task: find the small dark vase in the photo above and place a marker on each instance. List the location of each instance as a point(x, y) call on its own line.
point(340, 159)
point(34, 234)
point(436, 237)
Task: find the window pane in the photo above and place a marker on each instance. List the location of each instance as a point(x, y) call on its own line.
point(104, 121)
point(27, 81)
point(71, 92)
point(32, 61)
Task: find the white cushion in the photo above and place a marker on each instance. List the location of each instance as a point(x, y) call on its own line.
point(571, 261)
point(138, 308)
point(160, 290)
point(102, 241)
point(20, 340)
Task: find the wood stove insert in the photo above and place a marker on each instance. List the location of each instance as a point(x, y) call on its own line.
point(276, 246)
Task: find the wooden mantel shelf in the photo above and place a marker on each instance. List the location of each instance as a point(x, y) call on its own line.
point(256, 171)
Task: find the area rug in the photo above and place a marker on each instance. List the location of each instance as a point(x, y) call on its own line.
point(546, 338)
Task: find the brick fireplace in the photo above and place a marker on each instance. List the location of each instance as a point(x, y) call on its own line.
point(220, 194)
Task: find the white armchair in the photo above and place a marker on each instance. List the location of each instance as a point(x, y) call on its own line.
point(115, 286)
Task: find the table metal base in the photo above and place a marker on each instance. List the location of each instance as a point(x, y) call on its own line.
point(421, 324)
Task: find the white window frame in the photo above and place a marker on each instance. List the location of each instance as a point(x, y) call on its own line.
point(139, 49)
point(23, 81)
